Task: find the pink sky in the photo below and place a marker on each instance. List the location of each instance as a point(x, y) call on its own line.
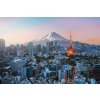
point(22, 30)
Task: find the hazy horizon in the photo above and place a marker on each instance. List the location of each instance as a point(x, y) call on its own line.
point(19, 30)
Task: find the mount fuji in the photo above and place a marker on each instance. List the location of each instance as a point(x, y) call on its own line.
point(53, 36)
point(50, 37)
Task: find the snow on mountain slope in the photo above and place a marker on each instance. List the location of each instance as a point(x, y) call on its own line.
point(53, 36)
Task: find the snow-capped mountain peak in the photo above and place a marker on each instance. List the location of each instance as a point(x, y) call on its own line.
point(53, 36)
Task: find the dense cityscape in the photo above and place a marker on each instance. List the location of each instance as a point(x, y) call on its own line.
point(53, 60)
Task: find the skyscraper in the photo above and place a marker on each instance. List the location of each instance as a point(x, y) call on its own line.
point(18, 50)
point(51, 46)
point(2, 47)
point(30, 50)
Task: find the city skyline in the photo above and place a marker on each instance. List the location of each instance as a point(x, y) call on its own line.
point(25, 29)
point(52, 60)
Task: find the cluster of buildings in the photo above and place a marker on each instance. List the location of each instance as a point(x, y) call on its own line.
point(49, 64)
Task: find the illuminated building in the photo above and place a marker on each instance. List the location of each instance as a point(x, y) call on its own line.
point(70, 51)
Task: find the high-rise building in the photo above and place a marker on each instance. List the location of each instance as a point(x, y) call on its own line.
point(2, 47)
point(30, 50)
point(18, 50)
point(59, 75)
point(51, 46)
point(2, 44)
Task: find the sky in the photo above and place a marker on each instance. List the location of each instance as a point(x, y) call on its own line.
point(18, 30)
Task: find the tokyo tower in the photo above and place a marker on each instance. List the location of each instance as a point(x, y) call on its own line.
point(70, 51)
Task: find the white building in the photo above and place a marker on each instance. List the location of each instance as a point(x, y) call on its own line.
point(30, 50)
point(2, 44)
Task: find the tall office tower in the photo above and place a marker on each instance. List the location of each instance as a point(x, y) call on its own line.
point(2, 47)
point(2, 44)
point(18, 50)
point(51, 46)
point(47, 47)
point(59, 75)
point(70, 51)
point(30, 50)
